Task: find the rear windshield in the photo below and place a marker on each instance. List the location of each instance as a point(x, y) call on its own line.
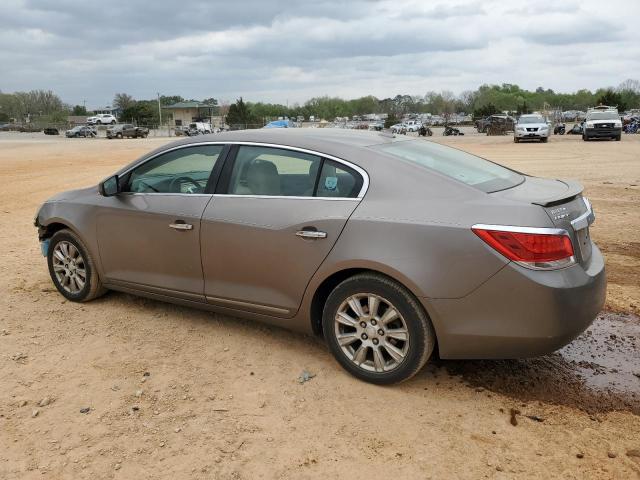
point(603, 116)
point(464, 167)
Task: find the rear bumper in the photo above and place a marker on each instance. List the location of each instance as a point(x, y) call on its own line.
point(603, 132)
point(519, 312)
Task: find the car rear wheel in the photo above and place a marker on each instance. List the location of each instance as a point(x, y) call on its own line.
point(377, 330)
point(72, 268)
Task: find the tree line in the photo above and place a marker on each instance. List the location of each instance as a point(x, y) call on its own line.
point(485, 100)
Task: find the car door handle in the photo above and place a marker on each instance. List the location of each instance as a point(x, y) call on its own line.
point(181, 226)
point(311, 234)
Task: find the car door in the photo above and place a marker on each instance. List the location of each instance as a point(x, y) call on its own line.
point(275, 217)
point(149, 234)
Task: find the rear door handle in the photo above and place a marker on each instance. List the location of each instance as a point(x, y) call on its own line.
point(311, 234)
point(181, 226)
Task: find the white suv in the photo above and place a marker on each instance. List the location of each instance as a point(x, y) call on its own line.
point(531, 127)
point(602, 122)
point(102, 119)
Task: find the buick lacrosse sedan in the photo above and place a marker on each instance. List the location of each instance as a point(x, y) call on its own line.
point(389, 247)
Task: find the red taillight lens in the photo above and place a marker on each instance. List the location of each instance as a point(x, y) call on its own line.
point(533, 248)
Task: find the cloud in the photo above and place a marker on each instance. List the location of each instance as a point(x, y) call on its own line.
point(292, 50)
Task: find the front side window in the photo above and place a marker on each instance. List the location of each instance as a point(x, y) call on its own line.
point(185, 170)
point(456, 164)
point(273, 171)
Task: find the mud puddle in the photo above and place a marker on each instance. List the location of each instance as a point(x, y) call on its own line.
point(598, 372)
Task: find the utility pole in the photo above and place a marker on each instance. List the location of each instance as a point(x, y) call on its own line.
point(159, 108)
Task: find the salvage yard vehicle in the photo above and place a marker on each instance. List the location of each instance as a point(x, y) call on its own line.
point(507, 123)
point(81, 131)
point(102, 119)
point(449, 130)
point(602, 122)
point(127, 130)
point(385, 245)
point(531, 127)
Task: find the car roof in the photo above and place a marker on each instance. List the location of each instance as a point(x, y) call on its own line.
point(341, 143)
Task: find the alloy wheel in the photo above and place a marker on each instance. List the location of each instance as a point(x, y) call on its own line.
point(371, 332)
point(69, 267)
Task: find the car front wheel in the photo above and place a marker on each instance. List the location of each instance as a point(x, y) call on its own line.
point(72, 268)
point(377, 330)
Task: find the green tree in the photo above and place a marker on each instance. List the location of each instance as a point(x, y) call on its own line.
point(612, 98)
point(123, 101)
point(391, 120)
point(240, 115)
point(79, 110)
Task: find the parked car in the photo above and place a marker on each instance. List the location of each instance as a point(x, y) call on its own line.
point(400, 128)
point(531, 127)
point(429, 244)
point(198, 128)
point(505, 121)
point(127, 130)
point(102, 119)
point(602, 122)
point(412, 125)
point(81, 131)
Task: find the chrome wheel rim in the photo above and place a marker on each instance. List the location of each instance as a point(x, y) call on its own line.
point(69, 267)
point(371, 332)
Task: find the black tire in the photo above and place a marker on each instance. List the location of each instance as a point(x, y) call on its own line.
point(618, 138)
point(421, 336)
point(93, 286)
point(585, 138)
point(113, 122)
point(544, 139)
point(118, 135)
point(516, 140)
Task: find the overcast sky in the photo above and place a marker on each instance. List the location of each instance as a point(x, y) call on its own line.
point(292, 50)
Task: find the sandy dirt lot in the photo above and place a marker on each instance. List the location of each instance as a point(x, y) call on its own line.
point(124, 387)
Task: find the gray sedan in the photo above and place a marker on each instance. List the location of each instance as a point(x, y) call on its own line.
point(389, 247)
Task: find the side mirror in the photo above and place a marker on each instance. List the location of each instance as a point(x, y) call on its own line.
point(110, 187)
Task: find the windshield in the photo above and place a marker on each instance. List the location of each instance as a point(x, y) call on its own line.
point(464, 167)
point(602, 116)
point(531, 120)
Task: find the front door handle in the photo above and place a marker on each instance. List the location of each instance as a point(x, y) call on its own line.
point(181, 226)
point(311, 234)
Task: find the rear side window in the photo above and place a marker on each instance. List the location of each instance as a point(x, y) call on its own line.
point(270, 171)
point(277, 172)
point(456, 164)
point(338, 180)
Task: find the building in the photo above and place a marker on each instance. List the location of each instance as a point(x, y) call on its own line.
point(183, 113)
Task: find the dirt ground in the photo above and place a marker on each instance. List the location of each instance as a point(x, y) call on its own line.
point(124, 387)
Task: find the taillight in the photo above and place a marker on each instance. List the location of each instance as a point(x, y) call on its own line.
point(539, 248)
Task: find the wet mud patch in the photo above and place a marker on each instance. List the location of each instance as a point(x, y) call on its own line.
point(598, 372)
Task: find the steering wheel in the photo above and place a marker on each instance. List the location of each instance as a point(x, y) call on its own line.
point(175, 185)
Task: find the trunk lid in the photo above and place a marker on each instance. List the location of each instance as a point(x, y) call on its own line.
point(563, 203)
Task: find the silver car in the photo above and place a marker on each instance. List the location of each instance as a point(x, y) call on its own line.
point(531, 127)
point(389, 247)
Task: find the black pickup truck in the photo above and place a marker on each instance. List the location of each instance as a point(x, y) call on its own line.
point(127, 130)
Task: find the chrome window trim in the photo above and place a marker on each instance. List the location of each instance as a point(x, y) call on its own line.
point(553, 265)
point(287, 197)
point(360, 170)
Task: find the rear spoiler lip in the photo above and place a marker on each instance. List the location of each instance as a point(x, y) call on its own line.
point(573, 190)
